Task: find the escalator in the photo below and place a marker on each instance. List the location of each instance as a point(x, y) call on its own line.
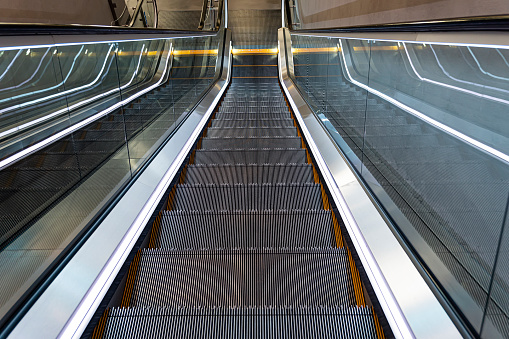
point(247, 242)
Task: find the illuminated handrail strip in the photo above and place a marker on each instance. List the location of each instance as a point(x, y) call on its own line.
point(29, 79)
point(52, 96)
point(29, 150)
point(482, 69)
point(485, 96)
point(10, 64)
point(490, 150)
point(462, 81)
point(70, 108)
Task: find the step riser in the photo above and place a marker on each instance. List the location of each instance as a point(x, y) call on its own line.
point(243, 278)
point(320, 322)
point(295, 156)
point(249, 174)
point(246, 229)
point(248, 197)
point(254, 143)
point(214, 132)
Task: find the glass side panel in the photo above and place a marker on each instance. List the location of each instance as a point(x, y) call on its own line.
point(49, 198)
point(31, 92)
point(424, 125)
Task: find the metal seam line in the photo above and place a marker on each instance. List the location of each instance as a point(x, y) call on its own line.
point(439, 125)
point(15, 157)
point(387, 300)
point(79, 319)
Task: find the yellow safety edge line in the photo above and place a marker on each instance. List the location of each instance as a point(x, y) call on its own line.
point(154, 233)
point(378, 328)
point(337, 231)
point(357, 285)
point(195, 52)
point(101, 325)
point(243, 51)
point(131, 277)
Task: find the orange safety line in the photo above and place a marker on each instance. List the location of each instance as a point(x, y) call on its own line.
point(357, 285)
point(314, 50)
point(183, 175)
point(190, 52)
point(154, 233)
point(325, 199)
point(270, 51)
point(337, 231)
point(378, 328)
point(171, 196)
point(191, 158)
point(99, 329)
point(131, 277)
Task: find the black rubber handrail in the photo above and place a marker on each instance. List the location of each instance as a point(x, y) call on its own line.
point(203, 14)
point(491, 23)
point(43, 29)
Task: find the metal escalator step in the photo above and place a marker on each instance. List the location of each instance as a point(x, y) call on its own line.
point(243, 123)
point(252, 142)
point(217, 132)
point(253, 116)
point(243, 277)
point(245, 229)
point(247, 197)
point(246, 174)
point(260, 156)
point(246, 322)
point(266, 109)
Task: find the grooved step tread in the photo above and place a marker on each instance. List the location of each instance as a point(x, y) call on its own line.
point(251, 156)
point(223, 322)
point(251, 277)
point(245, 229)
point(247, 197)
point(245, 174)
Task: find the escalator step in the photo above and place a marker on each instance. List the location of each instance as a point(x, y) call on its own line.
point(223, 322)
point(253, 116)
point(245, 110)
point(259, 156)
point(235, 278)
point(217, 132)
point(253, 142)
point(247, 197)
point(245, 229)
point(243, 123)
point(246, 174)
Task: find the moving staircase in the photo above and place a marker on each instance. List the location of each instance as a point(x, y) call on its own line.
point(247, 243)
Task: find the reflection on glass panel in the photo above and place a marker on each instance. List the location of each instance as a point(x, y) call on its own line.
point(193, 69)
point(90, 75)
point(31, 85)
point(49, 198)
point(445, 195)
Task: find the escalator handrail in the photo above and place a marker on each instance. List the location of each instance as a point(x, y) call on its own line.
point(138, 10)
point(203, 14)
